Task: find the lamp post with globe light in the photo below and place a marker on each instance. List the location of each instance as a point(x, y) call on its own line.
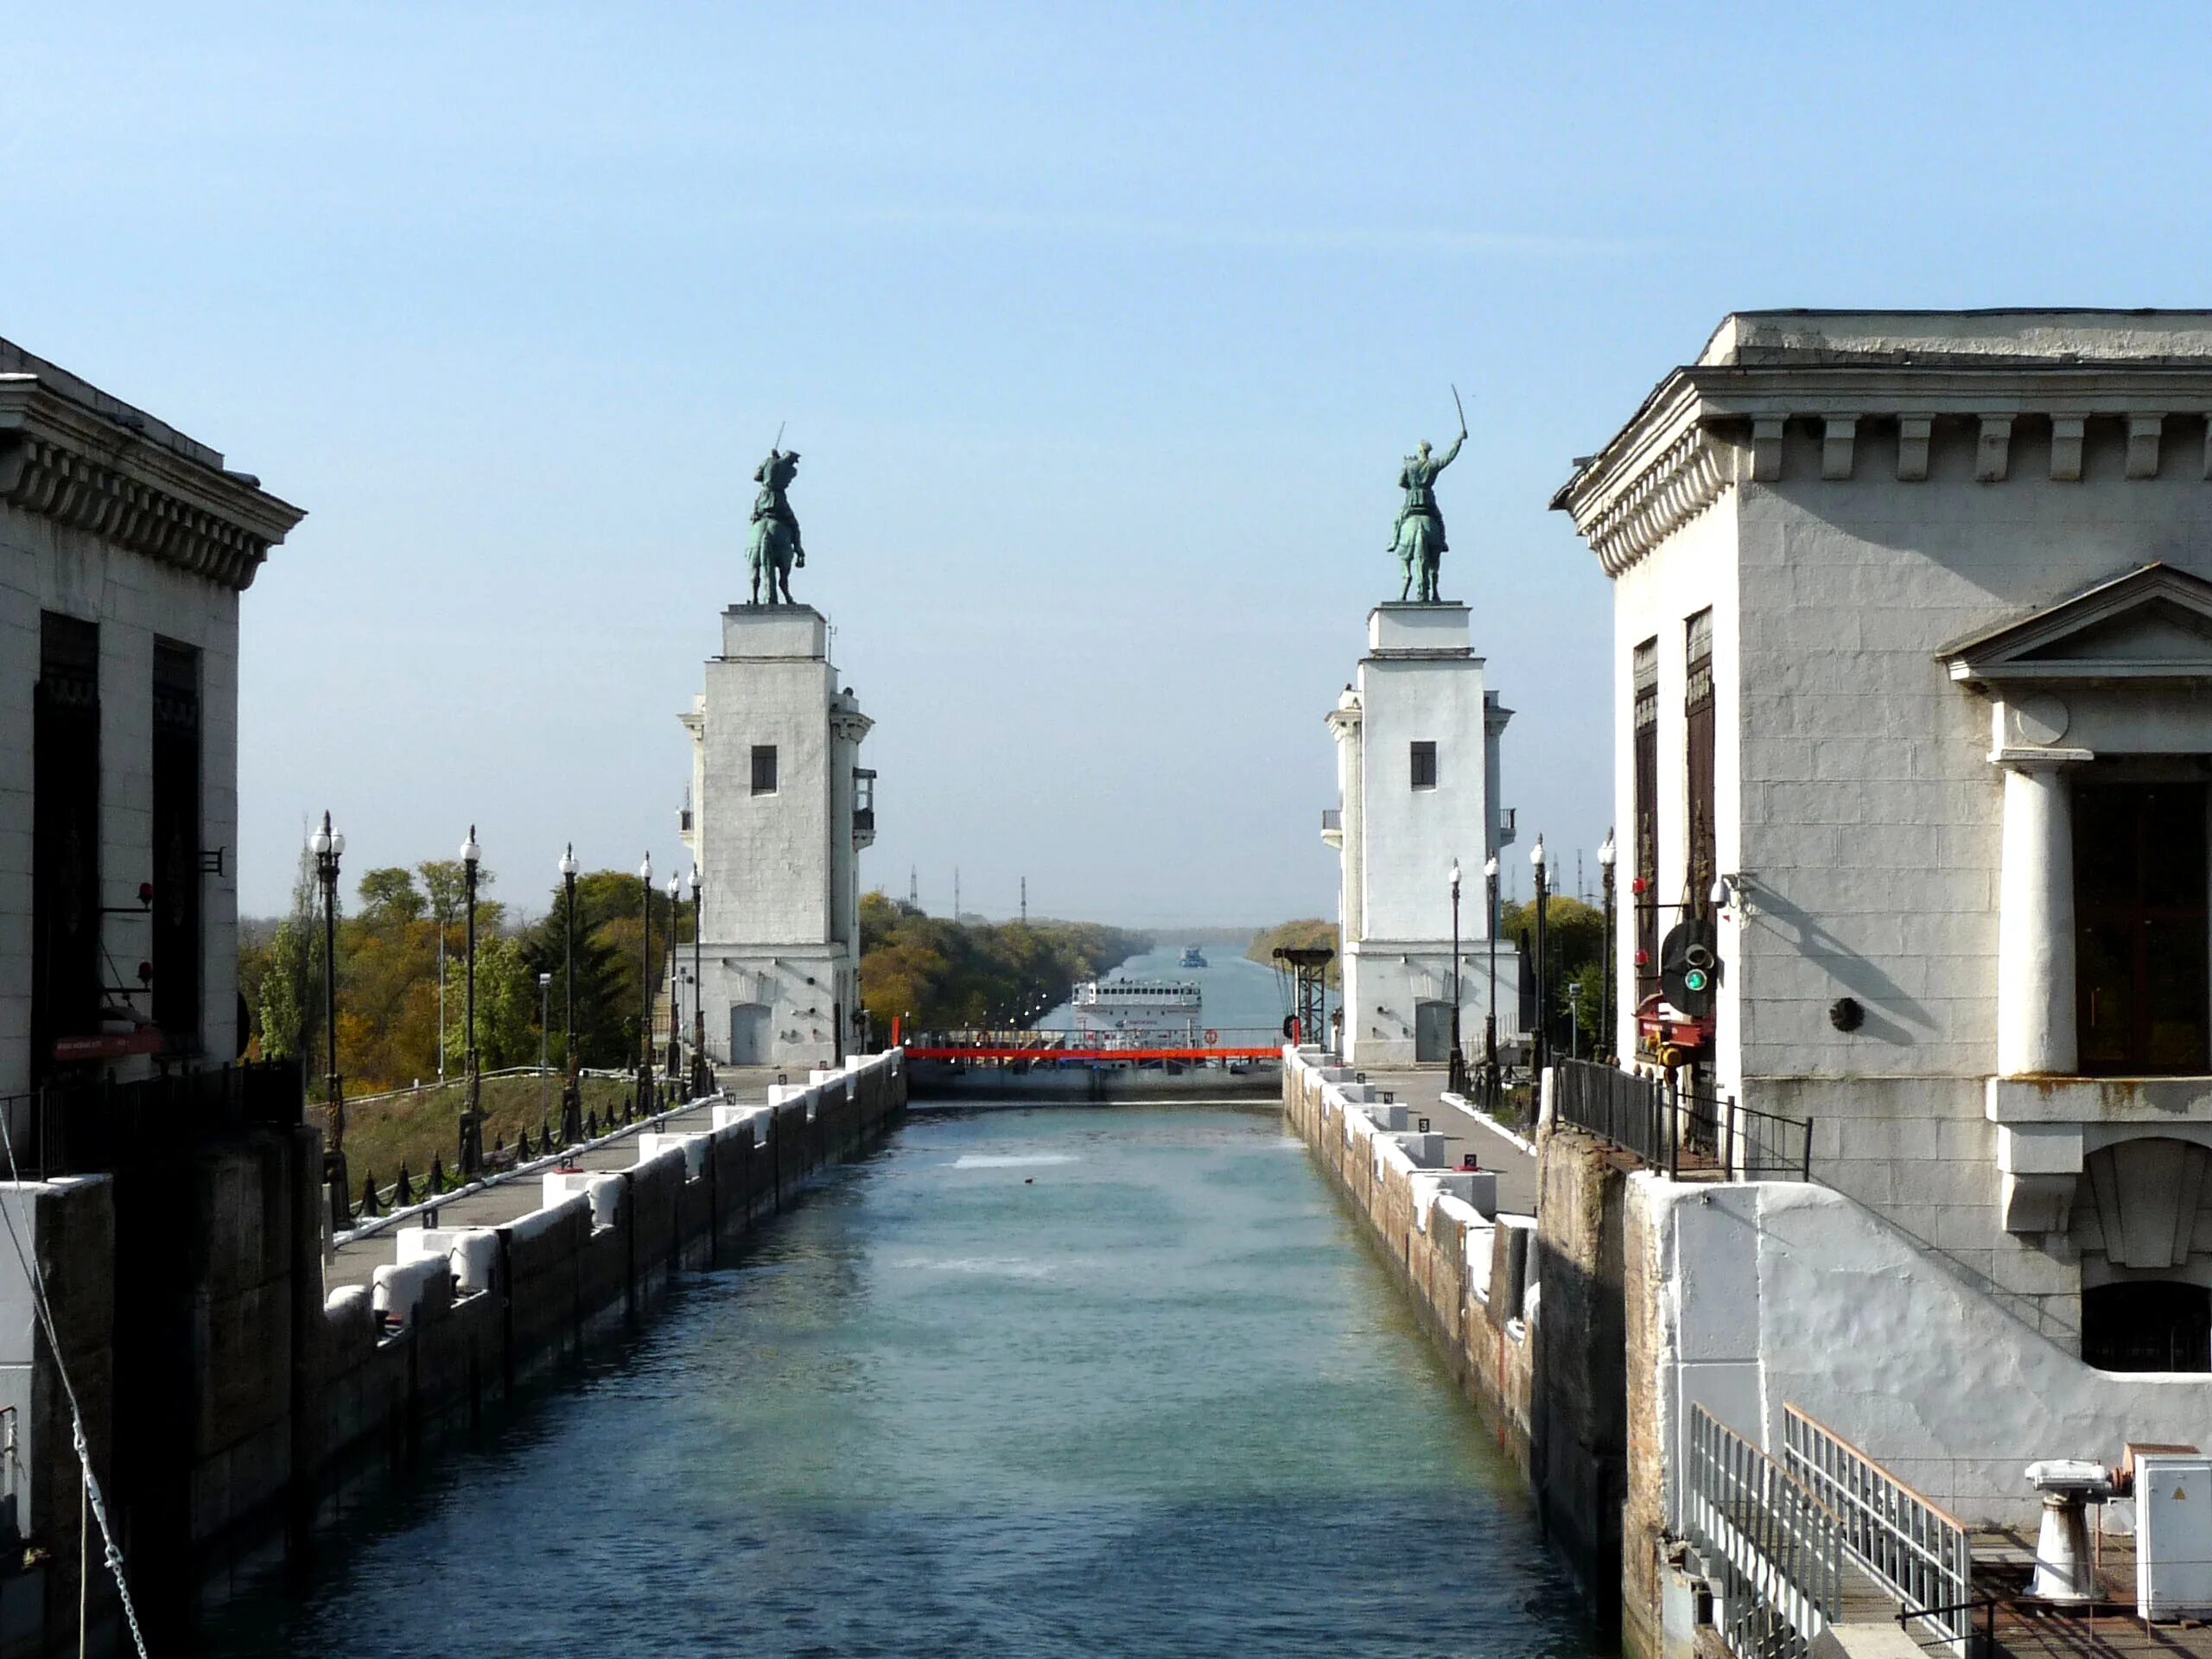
point(328, 845)
point(471, 1117)
point(1541, 1048)
point(1606, 1047)
point(572, 1101)
point(702, 1079)
point(645, 992)
point(675, 997)
point(1457, 1075)
point(1490, 1007)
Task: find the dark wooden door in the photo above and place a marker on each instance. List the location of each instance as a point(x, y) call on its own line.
point(2141, 955)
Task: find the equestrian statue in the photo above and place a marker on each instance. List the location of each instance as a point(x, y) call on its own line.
point(774, 547)
point(1417, 537)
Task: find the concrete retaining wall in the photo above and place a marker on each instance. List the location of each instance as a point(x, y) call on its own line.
point(452, 1330)
point(1526, 1313)
point(1468, 1290)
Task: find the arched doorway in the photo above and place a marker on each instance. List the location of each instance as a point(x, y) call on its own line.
point(748, 1033)
point(1432, 1032)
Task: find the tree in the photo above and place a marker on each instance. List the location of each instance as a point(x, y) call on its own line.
point(389, 895)
point(446, 883)
point(1575, 932)
point(291, 980)
point(949, 974)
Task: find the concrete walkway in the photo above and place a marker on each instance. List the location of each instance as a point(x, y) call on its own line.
point(356, 1261)
point(1464, 1131)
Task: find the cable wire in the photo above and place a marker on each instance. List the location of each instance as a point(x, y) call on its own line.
point(91, 1492)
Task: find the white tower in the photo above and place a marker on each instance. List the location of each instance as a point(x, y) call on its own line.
point(1417, 771)
point(782, 811)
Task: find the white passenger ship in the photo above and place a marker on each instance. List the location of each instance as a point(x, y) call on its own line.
point(1138, 1013)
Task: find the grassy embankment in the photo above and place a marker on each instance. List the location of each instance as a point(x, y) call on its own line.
point(409, 1127)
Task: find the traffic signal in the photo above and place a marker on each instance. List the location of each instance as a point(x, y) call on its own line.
point(1689, 968)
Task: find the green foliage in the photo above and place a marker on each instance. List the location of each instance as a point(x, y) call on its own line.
point(939, 975)
point(448, 887)
point(1574, 933)
point(291, 975)
point(389, 895)
point(1298, 935)
point(507, 1005)
point(388, 1002)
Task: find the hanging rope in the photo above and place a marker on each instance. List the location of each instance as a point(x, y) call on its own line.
point(90, 1494)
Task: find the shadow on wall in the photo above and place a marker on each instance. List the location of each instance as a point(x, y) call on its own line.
point(1578, 1399)
point(1873, 988)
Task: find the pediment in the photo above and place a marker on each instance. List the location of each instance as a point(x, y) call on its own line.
point(2154, 623)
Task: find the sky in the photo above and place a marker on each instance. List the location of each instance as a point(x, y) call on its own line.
point(1101, 331)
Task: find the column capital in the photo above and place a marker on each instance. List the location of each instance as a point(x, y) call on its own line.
point(2027, 759)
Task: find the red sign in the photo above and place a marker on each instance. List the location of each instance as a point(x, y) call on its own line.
point(111, 1045)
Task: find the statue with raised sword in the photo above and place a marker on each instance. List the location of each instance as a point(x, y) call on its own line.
point(1417, 537)
point(774, 546)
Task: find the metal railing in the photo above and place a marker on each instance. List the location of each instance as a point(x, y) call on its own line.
point(1777, 1552)
point(1913, 1548)
point(1673, 1129)
point(1620, 1106)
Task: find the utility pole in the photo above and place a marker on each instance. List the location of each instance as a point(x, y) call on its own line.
point(1024, 901)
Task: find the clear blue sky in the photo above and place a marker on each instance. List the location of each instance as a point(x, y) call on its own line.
point(1102, 331)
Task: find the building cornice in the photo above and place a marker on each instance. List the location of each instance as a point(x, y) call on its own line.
point(1707, 427)
point(86, 470)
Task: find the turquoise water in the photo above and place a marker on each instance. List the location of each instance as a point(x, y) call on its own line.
point(1055, 1381)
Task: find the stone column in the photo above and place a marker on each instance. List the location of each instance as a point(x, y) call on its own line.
point(2035, 928)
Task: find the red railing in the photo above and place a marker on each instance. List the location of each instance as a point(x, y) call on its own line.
point(1089, 1048)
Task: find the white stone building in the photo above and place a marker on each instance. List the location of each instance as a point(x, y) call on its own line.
point(782, 808)
point(124, 548)
point(1913, 646)
point(1417, 741)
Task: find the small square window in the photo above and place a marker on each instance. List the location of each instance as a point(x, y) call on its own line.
point(764, 768)
point(1424, 766)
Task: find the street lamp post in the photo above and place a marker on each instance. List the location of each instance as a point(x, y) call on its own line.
point(328, 845)
point(544, 1037)
point(675, 997)
point(1489, 1005)
point(701, 1074)
point(572, 1101)
point(645, 992)
point(471, 1119)
point(442, 918)
point(1541, 1049)
point(1458, 1068)
point(1608, 1045)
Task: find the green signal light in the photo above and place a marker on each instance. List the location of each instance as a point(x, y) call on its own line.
point(1695, 979)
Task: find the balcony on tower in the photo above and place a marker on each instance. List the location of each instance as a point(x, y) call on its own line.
point(863, 807)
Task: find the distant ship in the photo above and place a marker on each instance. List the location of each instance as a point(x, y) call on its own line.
point(1190, 958)
point(1137, 1014)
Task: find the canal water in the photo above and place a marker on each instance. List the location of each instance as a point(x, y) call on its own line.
point(1066, 1381)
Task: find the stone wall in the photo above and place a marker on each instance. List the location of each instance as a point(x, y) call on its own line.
point(235, 1404)
point(1526, 1310)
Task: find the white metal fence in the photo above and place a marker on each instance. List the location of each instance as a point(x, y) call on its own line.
point(1909, 1546)
point(1777, 1552)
